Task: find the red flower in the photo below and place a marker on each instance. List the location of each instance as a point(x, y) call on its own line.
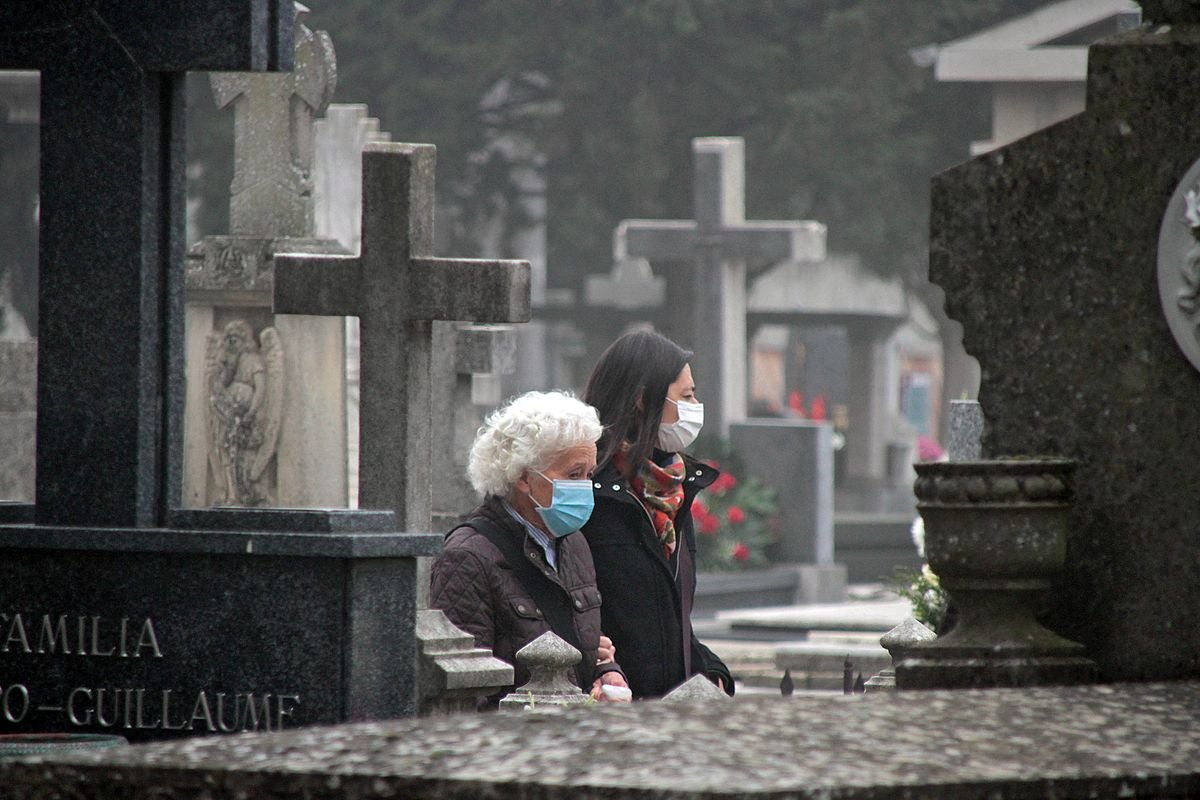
point(736, 515)
point(724, 482)
point(709, 523)
point(740, 552)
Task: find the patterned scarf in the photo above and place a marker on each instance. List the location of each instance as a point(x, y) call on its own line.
point(661, 491)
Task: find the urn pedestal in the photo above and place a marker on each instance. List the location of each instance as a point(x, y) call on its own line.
point(996, 535)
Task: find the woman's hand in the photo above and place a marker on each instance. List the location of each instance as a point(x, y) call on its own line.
point(609, 679)
point(605, 653)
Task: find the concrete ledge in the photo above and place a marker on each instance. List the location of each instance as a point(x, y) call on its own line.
point(245, 543)
point(1080, 742)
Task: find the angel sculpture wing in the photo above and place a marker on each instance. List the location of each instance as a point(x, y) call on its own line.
point(212, 376)
point(270, 413)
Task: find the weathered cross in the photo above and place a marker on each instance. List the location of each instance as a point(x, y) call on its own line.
point(396, 289)
point(726, 249)
point(272, 186)
point(111, 236)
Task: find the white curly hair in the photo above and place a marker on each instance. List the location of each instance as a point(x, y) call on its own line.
point(528, 433)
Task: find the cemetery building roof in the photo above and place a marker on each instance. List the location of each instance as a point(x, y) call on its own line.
point(1047, 44)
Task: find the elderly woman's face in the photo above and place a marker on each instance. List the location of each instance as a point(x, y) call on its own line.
point(573, 464)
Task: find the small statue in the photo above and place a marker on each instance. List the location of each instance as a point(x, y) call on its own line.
point(245, 399)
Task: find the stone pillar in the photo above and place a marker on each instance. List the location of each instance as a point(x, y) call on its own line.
point(870, 406)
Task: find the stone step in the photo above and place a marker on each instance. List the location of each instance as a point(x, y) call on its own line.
point(830, 657)
point(798, 621)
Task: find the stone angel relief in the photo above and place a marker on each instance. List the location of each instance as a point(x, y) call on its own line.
point(245, 402)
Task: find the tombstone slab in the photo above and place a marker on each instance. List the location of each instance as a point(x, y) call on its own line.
point(1048, 252)
point(1073, 743)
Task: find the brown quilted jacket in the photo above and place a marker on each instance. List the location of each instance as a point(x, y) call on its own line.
point(480, 593)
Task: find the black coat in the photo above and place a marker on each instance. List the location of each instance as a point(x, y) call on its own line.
point(648, 598)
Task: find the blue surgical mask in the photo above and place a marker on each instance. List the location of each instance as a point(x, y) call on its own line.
point(570, 506)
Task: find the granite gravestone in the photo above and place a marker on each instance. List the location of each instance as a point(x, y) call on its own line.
point(727, 251)
point(1050, 254)
point(120, 611)
point(795, 458)
point(290, 450)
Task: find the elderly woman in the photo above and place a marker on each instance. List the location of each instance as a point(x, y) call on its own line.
point(518, 566)
point(641, 533)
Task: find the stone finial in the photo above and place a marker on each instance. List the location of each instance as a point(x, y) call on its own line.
point(549, 660)
point(897, 641)
point(1168, 12)
point(695, 689)
point(966, 431)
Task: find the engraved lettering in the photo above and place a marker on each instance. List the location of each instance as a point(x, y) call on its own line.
point(80, 628)
point(71, 715)
point(284, 711)
point(253, 712)
point(124, 633)
point(141, 723)
point(100, 720)
point(16, 635)
point(49, 638)
point(147, 639)
point(221, 714)
point(128, 703)
point(166, 714)
point(202, 713)
point(23, 694)
point(96, 651)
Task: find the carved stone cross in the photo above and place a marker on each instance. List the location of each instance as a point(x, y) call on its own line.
point(724, 246)
point(112, 213)
point(271, 193)
point(396, 289)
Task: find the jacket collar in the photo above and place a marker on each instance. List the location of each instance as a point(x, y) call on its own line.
point(607, 482)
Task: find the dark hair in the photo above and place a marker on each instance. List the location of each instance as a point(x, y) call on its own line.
point(638, 366)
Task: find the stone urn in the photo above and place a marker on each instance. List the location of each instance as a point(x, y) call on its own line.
point(996, 535)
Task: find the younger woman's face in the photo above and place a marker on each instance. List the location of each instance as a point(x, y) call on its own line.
point(684, 388)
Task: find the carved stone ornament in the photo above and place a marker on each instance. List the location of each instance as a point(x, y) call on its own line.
point(1179, 264)
point(245, 401)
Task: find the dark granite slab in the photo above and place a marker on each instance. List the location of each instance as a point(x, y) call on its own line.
point(1047, 250)
point(159, 633)
point(1096, 742)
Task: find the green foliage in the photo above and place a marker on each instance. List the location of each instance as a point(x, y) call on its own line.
point(922, 589)
point(840, 125)
point(736, 517)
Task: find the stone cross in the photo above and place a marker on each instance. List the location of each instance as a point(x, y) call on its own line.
point(272, 191)
point(396, 289)
point(726, 249)
point(111, 279)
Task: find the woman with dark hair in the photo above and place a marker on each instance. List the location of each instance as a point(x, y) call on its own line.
point(641, 533)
